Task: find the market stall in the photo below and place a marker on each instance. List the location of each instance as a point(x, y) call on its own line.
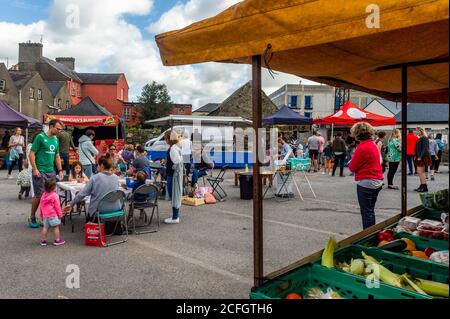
point(405, 59)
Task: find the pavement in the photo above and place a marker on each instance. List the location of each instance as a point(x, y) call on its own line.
point(208, 255)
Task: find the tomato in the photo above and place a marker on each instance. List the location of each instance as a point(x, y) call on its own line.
point(293, 295)
point(386, 234)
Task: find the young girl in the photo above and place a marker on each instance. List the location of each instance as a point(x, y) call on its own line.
point(328, 157)
point(51, 213)
point(76, 174)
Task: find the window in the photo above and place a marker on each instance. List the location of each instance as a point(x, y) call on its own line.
point(308, 114)
point(79, 90)
point(39, 94)
point(73, 88)
point(59, 103)
point(122, 94)
point(293, 101)
point(308, 102)
point(337, 105)
point(127, 114)
point(31, 93)
point(2, 85)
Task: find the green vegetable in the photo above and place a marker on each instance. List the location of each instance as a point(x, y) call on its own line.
point(413, 285)
point(328, 253)
point(433, 288)
point(385, 274)
point(357, 267)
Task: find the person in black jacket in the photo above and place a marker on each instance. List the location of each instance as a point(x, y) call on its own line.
point(422, 159)
point(339, 151)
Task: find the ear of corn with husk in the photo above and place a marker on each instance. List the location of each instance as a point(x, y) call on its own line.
point(328, 253)
point(385, 274)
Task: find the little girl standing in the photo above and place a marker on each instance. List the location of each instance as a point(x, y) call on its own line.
point(51, 213)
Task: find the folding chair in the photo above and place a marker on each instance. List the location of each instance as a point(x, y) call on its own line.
point(106, 211)
point(151, 201)
point(216, 181)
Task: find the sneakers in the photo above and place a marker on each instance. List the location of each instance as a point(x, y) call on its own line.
point(44, 242)
point(59, 242)
point(172, 221)
point(33, 223)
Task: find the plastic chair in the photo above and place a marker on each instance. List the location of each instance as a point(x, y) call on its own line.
point(151, 202)
point(106, 211)
point(216, 181)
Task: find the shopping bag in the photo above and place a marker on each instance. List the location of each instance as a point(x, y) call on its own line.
point(210, 199)
point(92, 235)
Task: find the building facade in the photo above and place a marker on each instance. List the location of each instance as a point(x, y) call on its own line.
point(182, 109)
point(315, 101)
point(8, 90)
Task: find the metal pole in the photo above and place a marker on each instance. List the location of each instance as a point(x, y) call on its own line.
point(26, 141)
point(404, 127)
point(257, 182)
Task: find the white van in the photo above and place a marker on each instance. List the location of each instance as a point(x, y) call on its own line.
point(217, 137)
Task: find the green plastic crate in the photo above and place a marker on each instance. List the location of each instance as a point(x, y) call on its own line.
point(396, 263)
point(430, 214)
point(422, 243)
point(348, 286)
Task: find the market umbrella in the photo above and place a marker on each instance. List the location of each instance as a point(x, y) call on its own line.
point(332, 42)
point(285, 116)
point(10, 118)
point(351, 114)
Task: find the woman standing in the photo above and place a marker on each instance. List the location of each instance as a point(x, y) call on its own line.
point(381, 145)
point(440, 145)
point(339, 150)
point(174, 173)
point(434, 150)
point(422, 158)
point(366, 165)
point(394, 156)
point(16, 144)
point(87, 153)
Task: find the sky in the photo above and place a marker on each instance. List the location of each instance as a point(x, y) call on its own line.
point(116, 36)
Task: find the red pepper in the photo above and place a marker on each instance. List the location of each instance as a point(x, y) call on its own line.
point(429, 251)
point(386, 234)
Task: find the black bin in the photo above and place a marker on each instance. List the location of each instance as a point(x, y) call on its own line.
point(246, 185)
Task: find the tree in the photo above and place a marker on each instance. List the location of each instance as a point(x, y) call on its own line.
point(155, 101)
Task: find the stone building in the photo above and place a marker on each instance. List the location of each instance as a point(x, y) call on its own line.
point(8, 90)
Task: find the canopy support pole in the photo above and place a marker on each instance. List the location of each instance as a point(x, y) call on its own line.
point(26, 140)
point(257, 182)
point(117, 131)
point(404, 137)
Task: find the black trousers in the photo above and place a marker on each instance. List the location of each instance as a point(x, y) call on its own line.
point(25, 189)
point(341, 160)
point(17, 161)
point(393, 167)
point(438, 161)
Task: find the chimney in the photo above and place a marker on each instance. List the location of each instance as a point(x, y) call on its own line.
point(29, 55)
point(68, 62)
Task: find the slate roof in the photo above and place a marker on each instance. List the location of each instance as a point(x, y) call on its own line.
point(55, 86)
point(21, 78)
point(100, 78)
point(208, 108)
point(62, 69)
point(87, 107)
point(425, 113)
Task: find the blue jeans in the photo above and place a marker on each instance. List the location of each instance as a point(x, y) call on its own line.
point(88, 170)
point(367, 198)
point(175, 211)
point(196, 174)
point(410, 160)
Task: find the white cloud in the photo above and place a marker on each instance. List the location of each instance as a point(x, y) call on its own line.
point(184, 14)
point(106, 42)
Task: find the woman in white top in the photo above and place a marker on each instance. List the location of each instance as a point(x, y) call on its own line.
point(16, 144)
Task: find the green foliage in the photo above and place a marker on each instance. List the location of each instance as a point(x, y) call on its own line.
point(155, 101)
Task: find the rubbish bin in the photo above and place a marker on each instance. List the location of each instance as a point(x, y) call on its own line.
point(246, 185)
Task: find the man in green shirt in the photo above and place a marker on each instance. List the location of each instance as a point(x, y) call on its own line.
point(44, 155)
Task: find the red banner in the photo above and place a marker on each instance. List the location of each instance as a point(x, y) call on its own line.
point(70, 120)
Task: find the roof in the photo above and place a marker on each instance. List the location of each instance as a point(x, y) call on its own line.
point(286, 116)
point(21, 78)
point(9, 117)
point(55, 86)
point(191, 119)
point(309, 39)
point(61, 68)
point(87, 107)
point(425, 113)
point(100, 78)
point(208, 108)
point(393, 107)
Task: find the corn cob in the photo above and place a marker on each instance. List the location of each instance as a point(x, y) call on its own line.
point(386, 275)
point(328, 253)
point(433, 288)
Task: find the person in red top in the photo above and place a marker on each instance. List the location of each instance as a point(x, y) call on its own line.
point(366, 164)
point(411, 141)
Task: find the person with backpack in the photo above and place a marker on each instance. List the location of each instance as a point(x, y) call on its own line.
point(87, 153)
point(394, 156)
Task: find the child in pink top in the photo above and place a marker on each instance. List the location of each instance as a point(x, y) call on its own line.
point(51, 213)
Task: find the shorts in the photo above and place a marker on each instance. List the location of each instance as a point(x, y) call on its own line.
point(424, 162)
point(51, 222)
point(38, 183)
point(314, 153)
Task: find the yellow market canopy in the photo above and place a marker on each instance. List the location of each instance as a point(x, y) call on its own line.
point(328, 42)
